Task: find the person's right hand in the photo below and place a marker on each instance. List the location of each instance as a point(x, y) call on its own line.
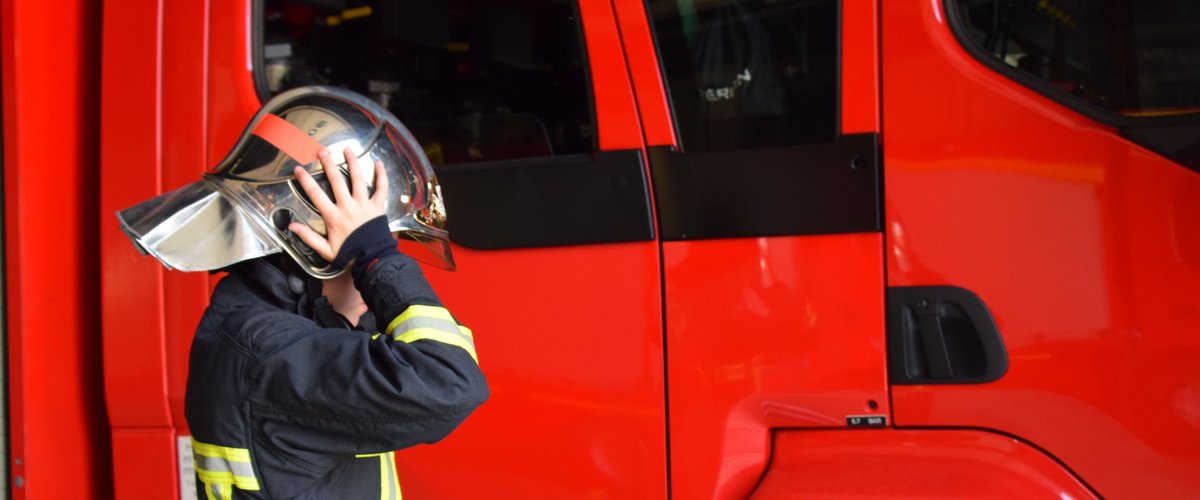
point(350, 208)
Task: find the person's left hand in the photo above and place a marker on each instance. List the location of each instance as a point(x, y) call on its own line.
point(350, 208)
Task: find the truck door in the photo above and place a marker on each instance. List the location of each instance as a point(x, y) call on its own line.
point(762, 123)
point(526, 110)
point(1042, 183)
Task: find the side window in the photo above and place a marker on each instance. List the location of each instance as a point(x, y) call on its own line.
point(750, 73)
point(498, 93)
point(473, 80)
point(1134, 64)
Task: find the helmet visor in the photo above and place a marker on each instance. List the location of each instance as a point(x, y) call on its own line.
point(194, 228)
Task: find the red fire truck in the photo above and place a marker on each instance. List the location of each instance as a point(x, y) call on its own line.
point(708, 248)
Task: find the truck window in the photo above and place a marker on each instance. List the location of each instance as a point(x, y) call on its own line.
point(754, 87)
point(750, 73)
point(1134, 58)
point(473, 80)
point(1132, 64)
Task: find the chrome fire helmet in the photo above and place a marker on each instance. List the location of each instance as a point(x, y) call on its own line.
point(241, 208)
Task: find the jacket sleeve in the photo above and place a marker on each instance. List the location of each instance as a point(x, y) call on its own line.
point(340, 391)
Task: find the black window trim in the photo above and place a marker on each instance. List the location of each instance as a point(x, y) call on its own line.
point(798, 190)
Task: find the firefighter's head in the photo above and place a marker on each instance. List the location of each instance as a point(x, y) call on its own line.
point(242, 207)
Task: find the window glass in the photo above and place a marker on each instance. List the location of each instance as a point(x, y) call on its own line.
point(750, 73)
point(474, 80)
point(1133, 57)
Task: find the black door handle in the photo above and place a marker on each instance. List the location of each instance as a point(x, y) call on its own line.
point(942, 335)
point(933, 339)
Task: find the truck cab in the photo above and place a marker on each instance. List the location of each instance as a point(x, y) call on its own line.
point(728, 248)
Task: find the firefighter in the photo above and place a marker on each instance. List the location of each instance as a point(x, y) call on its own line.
point(324, 348)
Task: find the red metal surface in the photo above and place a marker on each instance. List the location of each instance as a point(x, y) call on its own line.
point(1083, 245)
point(573, 355)
point(132, 286)
point(617, 120)
point(134, 376)
point(912, 464)
point(145, 464)
point(232, 100)
point(766, 333)
point(774, 332)
point(653, 107)
point(860, 66)
point(185, 71)
point(56, 420)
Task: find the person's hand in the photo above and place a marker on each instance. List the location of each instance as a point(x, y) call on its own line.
point(350, 209)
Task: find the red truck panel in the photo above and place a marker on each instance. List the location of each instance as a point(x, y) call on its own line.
point(860, 66)
point(653, 106)
point(1082, 244)
point(56, 419)
point(185, 68)
point(913, 464)
point(134, 324)
point(767, 333)
point(772, 332)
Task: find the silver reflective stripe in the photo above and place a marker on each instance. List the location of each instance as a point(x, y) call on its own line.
point(225, 466)
point(426, 322)
point(218, 464)
point(388, 462)
point(431, 323)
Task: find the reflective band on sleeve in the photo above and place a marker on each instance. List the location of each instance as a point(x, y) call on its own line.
point(218, 491)
point(389, 483)
point(432, 312)
point(220, 465)
point(431, 323)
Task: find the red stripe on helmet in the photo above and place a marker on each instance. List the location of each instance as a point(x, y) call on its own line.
point(287, 138)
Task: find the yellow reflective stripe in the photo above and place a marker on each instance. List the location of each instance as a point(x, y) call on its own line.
point(223, 467)
point(432, 312)
point(432, 323)
point(217, 491)
point(383, 477)
point(212, 450)
point(389, 482)
point(228, 479)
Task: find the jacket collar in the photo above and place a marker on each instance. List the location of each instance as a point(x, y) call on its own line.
point(262, 282)
point(277, 283)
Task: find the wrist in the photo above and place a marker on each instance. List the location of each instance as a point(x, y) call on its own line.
point(372, 237)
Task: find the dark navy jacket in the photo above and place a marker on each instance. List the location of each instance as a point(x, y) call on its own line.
point(285, 401)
